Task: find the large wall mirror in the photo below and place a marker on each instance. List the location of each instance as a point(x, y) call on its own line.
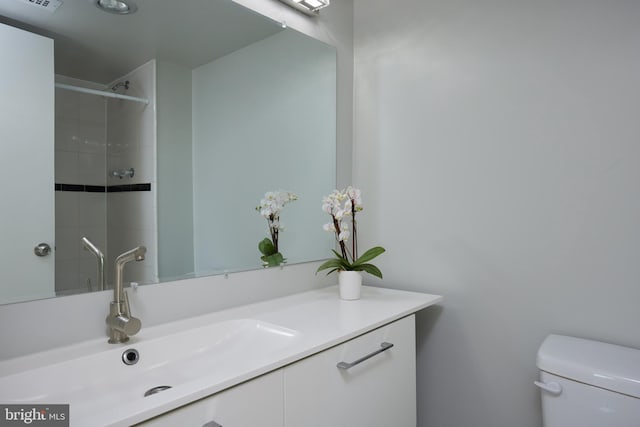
point(165, 129)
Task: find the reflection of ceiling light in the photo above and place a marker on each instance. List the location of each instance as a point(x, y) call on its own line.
point(119, 7)
point(307, 6)
point(50, 5)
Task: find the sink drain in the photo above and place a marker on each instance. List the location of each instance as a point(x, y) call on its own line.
point(130, 356)
point(156, 390)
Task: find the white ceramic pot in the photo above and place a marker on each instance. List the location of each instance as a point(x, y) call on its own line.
point(350, 283)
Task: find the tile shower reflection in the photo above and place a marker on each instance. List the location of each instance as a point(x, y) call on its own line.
point(94, 135)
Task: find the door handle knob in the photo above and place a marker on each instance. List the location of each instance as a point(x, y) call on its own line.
point(42, 249)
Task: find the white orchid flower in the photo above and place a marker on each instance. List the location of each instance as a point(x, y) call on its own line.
point(341, 205)
point(355, 195)
point(343, 236)
point(270, 207)
point(339, 214)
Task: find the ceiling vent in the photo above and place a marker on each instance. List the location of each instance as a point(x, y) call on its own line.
point(49, 5)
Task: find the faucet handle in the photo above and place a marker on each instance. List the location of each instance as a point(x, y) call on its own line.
point(133, 324)
point(126, 308)
point(124, 321)
point(126, 324)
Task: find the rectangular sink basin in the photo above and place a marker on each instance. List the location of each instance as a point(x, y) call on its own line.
point(101, 382)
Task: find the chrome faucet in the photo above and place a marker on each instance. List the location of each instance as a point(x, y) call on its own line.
point(99, 257)
point(121, 323)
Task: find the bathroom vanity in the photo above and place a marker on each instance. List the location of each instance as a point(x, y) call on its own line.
point(307, 359)
point(379, 391)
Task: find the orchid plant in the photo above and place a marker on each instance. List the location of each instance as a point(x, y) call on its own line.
point(270, 207)
point(343, 206)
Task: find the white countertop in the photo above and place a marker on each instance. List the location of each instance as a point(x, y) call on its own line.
point(320, 318)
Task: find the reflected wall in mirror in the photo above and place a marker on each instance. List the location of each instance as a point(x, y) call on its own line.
point(218, 106)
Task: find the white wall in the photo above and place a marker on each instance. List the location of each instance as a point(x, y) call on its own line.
point(56, 322)
point(263, 120)
point(334, 25)
point(175, 180)
point(497, 147)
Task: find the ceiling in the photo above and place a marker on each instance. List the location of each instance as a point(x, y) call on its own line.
point(100, 47)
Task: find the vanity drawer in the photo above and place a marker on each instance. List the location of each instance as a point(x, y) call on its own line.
point(258, 402)
point(378, 391)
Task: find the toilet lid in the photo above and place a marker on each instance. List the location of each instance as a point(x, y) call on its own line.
point(608, 366)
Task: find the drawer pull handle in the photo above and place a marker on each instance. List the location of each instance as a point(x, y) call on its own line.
point(383, 347)
point(211, 424)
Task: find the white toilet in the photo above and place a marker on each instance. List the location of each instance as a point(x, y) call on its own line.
point(588, 383)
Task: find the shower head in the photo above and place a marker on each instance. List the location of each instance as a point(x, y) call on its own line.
point(118, 85)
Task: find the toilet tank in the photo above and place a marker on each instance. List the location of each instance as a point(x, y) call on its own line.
point(588, 383)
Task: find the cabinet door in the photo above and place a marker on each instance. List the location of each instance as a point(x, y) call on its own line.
point(256, 403)
point(378, 392)
point(26, 165)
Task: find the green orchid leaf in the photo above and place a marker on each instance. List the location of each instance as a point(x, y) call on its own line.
point(273, 260)
point(370, 268)
point(277, 258)
point(266, 247)
point(339, 256)
point(333, 263)
point(369, 255)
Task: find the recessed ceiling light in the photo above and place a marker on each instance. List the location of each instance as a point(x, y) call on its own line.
point(310, 7)
point(119, 7)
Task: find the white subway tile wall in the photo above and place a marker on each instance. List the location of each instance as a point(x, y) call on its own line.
point(80, 141)
point(131, 141)
point(93, 137)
